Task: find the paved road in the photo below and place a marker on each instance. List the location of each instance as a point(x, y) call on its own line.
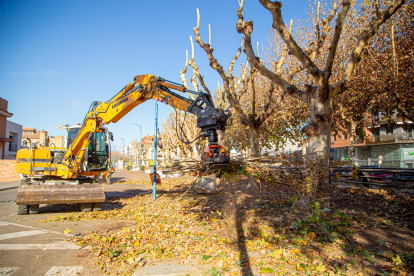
point(31, 247)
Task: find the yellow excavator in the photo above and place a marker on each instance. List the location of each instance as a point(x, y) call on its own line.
point(55, 175)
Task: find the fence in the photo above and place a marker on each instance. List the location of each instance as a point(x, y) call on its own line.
point(399, 163)
point(374, 177)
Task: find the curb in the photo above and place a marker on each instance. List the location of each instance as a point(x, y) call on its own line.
point(8, 188)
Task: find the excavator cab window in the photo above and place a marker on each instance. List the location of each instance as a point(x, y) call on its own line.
point(72, 133)
point(98, 152)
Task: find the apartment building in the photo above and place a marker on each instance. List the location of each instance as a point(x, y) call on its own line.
point(37, 138)
point(389, 138)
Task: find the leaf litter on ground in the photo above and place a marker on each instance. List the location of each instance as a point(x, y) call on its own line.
point(238, 230)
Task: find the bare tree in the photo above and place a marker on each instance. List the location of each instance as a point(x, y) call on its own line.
point(319, 91)
point(237, 90)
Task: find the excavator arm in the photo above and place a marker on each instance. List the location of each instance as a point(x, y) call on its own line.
point(147, 87)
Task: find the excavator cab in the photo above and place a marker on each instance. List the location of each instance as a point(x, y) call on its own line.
point(97, 153)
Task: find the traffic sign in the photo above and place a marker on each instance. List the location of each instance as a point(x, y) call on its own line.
point(380, 162)
point(380, 157)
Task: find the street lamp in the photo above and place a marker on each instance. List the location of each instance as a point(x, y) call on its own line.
point(115, 167)
point(140, 133)
point(122, 151)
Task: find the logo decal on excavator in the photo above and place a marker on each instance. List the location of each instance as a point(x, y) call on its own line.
point(120, 102)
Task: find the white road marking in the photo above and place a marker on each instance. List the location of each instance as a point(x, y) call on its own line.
point(7, 271)
point(64, 270)
point(31, 227)
point(52, 246)
point(21, 234)
point(2, 223)
point(62, 245)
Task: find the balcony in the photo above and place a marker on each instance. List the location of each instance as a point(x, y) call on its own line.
point(402, 137)
point(382, 119)
point(398, 137)
point(359, 140)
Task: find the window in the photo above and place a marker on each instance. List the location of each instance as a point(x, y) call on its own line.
point(334, 138)
point(407, 129)
point(389, 129)
point(345, 136)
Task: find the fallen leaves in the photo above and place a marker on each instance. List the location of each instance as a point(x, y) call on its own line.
point(226, 228)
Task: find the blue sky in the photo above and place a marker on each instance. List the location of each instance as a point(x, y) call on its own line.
point(59, 56)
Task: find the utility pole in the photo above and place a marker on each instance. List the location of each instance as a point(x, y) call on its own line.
point(123, 147)
point(114, 156)
point(155, 150)
point(140, 145)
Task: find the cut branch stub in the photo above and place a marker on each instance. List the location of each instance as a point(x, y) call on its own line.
point(311, 129)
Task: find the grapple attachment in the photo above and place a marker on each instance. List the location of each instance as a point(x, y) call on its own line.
point(216, 154)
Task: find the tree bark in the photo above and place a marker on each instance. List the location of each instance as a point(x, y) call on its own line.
point(318, 132)
point(221, 134)
point(196, 151)
point(254, 141)
point(352, 138)
point(304, 144)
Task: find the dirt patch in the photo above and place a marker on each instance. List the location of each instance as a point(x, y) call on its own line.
point(8, 171)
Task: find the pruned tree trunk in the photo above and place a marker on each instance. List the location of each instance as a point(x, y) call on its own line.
point(304, 146)
point(352, 138)
point(221, 135)
point(318, 132)
point(254, 141)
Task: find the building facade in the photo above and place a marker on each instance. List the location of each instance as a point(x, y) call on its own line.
point(57, 141)
point(37, 138)
point(4, 139)
point(13, 132)
point(392, 141)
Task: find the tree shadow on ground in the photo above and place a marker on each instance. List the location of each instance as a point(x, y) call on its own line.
point(261, 222)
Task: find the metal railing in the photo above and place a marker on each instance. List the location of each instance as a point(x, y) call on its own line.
point(404, 136)
point(397, 137)
point(373, 177)
point(382, 119)
point(398, 163)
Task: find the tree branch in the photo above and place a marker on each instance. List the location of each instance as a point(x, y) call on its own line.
point(346, 4)
point(246, 28)
point(196, 72)
point(217, 66)
point(376, 22)
point(274, 9)
point(182, 72)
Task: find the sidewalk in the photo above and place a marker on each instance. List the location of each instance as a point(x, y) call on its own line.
point(8, 185)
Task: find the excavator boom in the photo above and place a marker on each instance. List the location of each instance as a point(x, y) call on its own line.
point(72, 164)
